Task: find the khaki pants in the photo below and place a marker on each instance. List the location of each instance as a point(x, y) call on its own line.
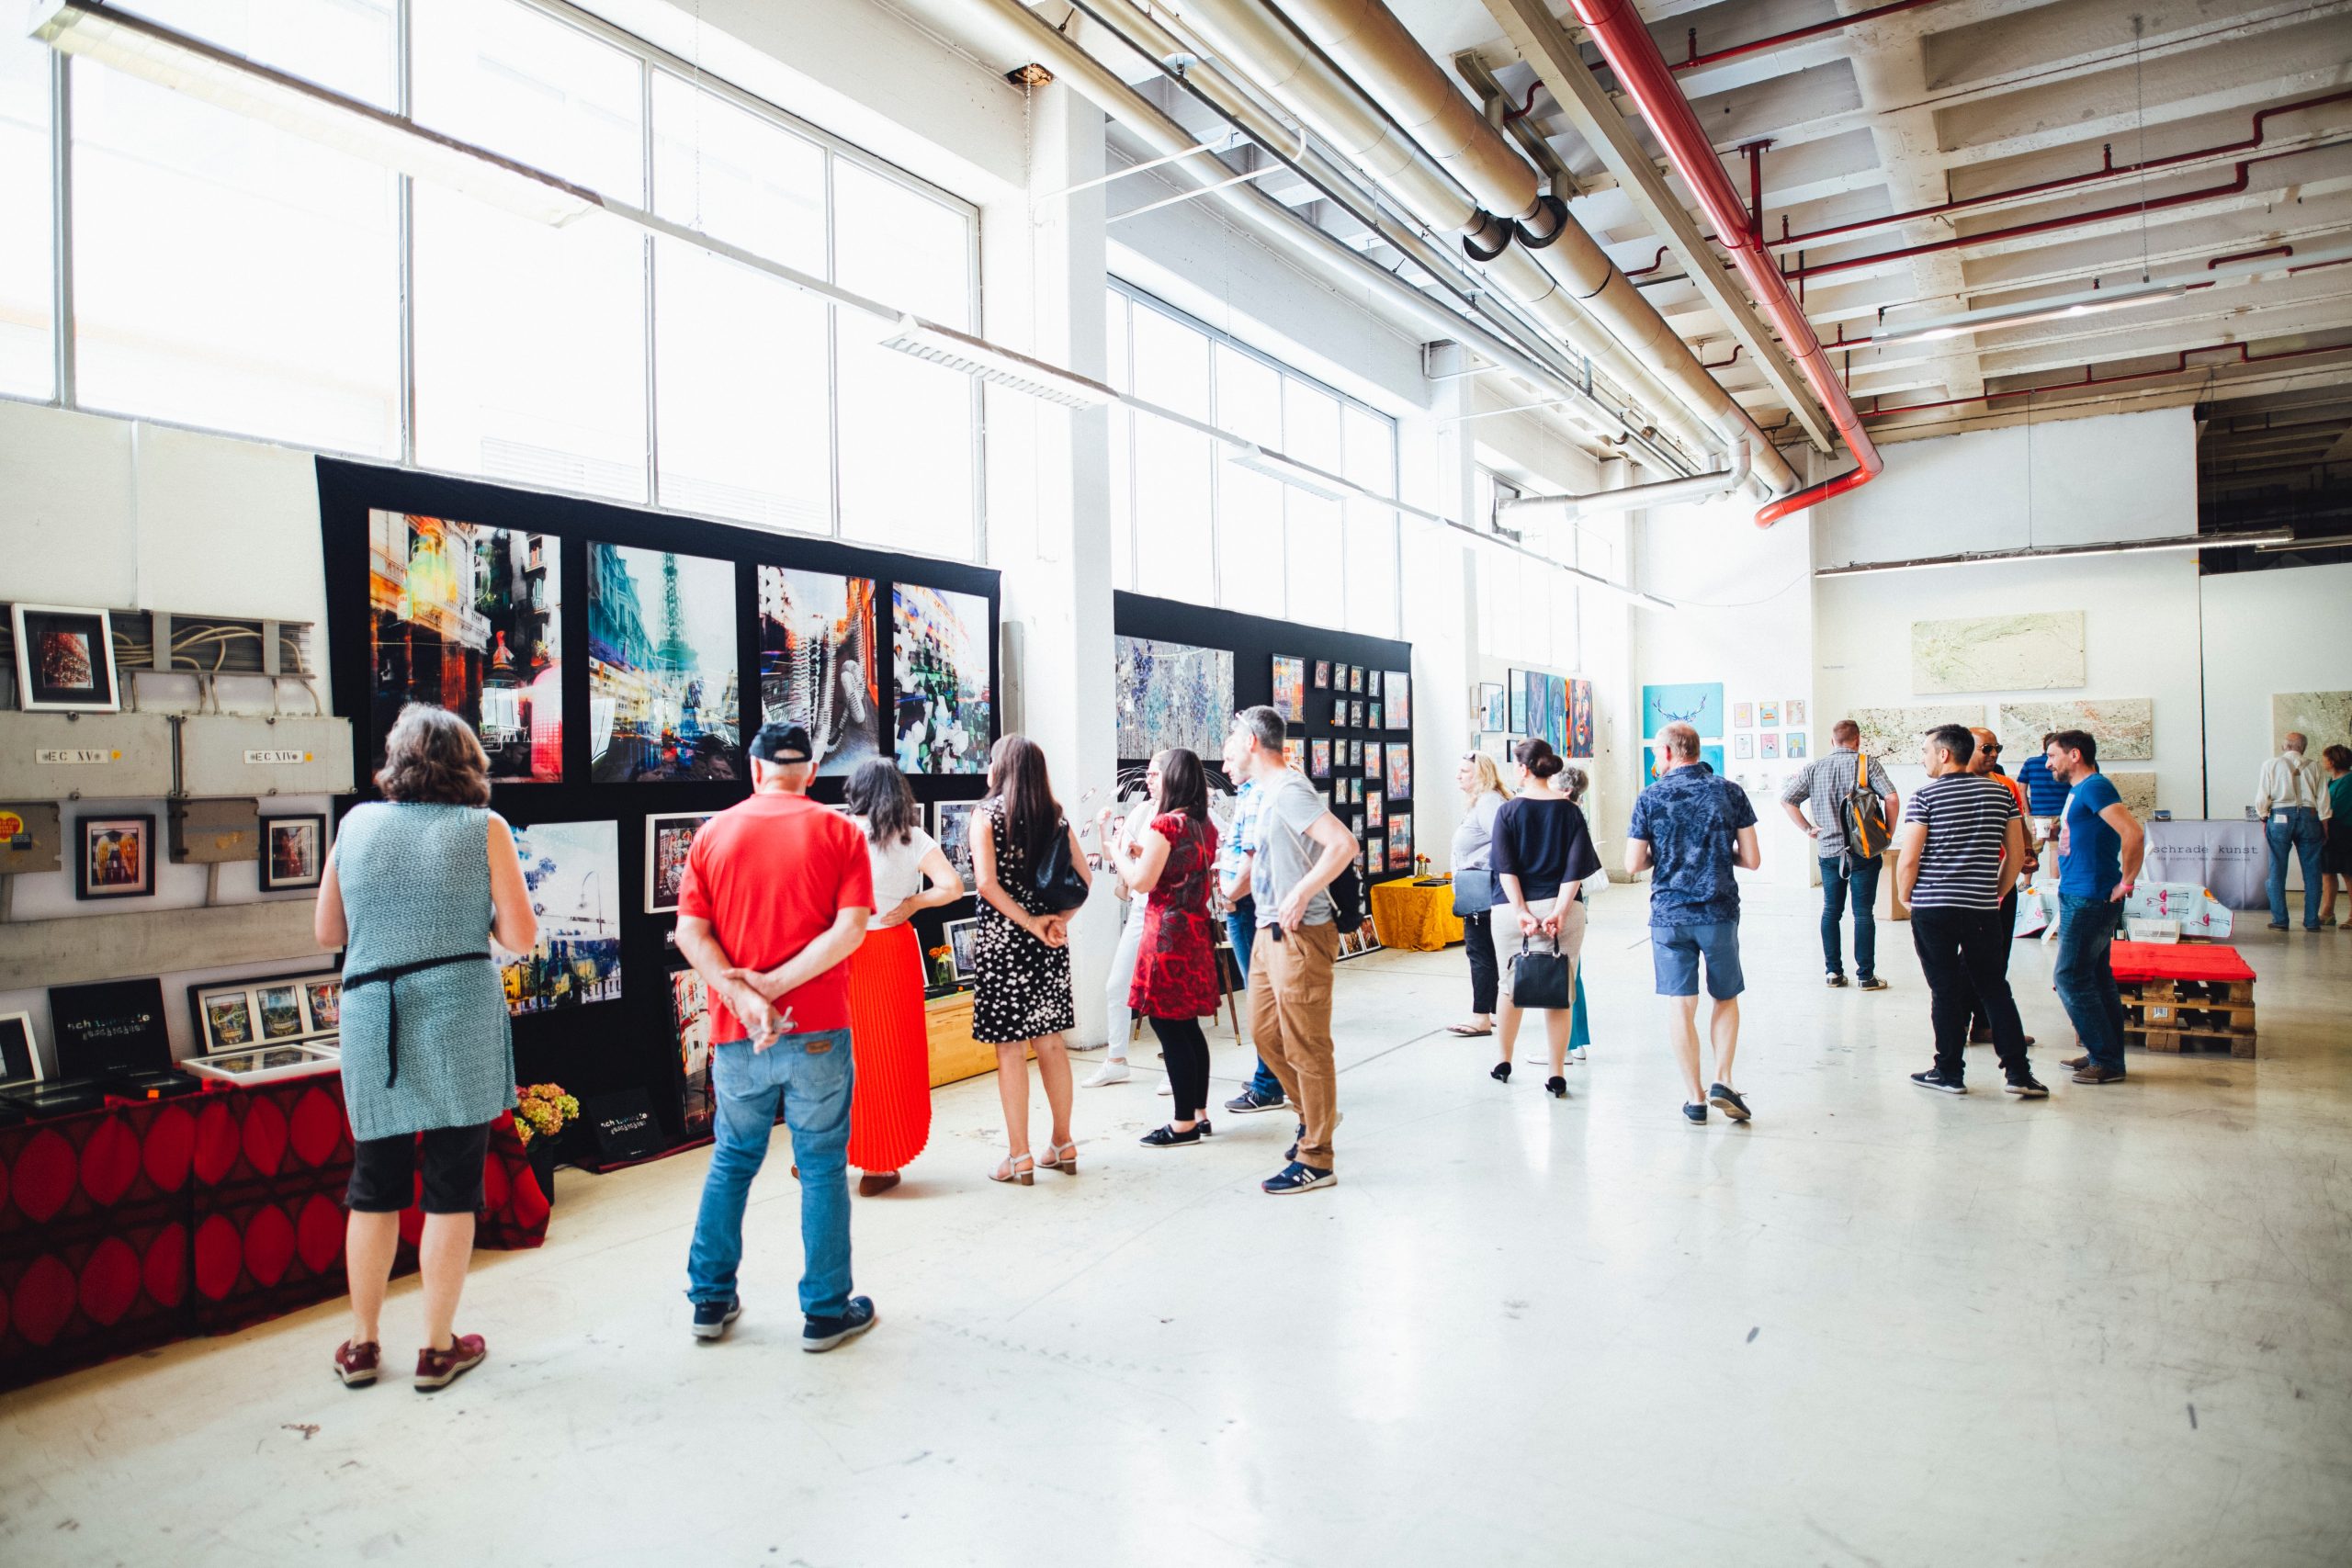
point(1290, 1022)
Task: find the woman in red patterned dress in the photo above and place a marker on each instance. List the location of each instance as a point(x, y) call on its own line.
point(1176, 974)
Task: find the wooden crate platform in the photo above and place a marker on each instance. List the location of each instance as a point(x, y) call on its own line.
point(2190, 1015)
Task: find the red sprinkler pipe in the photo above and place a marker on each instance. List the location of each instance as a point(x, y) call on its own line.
point(1642, 72)
point(2180, 366)
point(1694, 59)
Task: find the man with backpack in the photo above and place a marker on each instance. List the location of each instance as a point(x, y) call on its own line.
point(1301, 851)
point(1854, 809)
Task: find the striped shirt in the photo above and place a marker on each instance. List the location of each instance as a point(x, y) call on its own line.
point(1967, 817)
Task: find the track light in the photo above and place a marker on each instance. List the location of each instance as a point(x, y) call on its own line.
point(2064, 307)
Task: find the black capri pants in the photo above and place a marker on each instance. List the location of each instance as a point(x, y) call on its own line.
point(383, 1171)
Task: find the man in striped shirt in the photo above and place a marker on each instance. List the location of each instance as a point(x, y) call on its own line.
point(1961, 845)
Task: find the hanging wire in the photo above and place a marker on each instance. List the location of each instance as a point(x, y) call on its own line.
point(2140, 93)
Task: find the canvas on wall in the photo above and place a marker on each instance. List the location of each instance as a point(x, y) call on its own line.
point(820, 663)
point(1581, 723)
point(2125, 728)
point(574, 871)
point(1173, 694)
point(2135, 790)
point(2324, 718)
point(1289, 687)
point(1894, 733)
point(2034, 652)
point(1397, 692)
point(941, 644)
point(662, 697)
point(468, 617)
point(690, 1015)
point(1695, 703)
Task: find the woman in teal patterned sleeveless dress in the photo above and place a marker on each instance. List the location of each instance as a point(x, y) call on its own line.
point(416, 887)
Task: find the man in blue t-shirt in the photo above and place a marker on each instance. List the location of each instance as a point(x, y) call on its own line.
point(2045, 798)
point(1691, 829)
point(2099, 843)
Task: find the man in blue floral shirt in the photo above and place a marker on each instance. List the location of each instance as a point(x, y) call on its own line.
point(1690, 829)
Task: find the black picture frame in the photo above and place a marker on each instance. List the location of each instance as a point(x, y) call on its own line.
point(138, 862)
point(278, 873)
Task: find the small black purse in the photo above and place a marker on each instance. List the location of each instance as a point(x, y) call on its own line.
point(1060, 886)
point(1539, 980)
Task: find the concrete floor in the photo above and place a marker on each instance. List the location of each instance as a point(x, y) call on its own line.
point(1875, 1325)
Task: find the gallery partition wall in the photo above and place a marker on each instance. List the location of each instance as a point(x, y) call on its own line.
point(615, 662)
point(1347, 701)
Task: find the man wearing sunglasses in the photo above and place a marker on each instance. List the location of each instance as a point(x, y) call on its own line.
point(1987, 763)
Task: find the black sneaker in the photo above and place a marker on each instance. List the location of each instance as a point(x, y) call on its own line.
point(2028, 1088)
point(824, 1333)
point(1934, 1078)
point(1297, 1178)
point(711, 1318)
point(1168, 1137)
point(1836, 981)
point(1696, 1114)
point(1247, 1101)
point(1725, 1099)
point(1873, 984)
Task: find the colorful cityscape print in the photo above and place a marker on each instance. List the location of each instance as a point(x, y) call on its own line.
point(940, 643)
point(572, 870)
point(661, 693)
point(820, 663)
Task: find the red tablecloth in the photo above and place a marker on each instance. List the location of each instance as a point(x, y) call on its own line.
point(2178, 961)
point(130, 1227)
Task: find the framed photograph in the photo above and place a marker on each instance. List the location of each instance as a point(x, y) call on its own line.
point(1294, 754)
point(1372, 810)
point(1399, 773)
point(1768, 745)
point(963, 945)
point(278, 1010)
point(1371, 682)
point(668, 837)
point(690, 1017)
point(1580, 718)
point(264, 1065)
point(1356, 714)
point(821, 664)
point(1355, 824)
point(1356, 678)
point(1494, 709)
point(661, 651)
point(952, 826)
point(1318, 754)
point(942, 641)
point(224, 1016)
point(1400, 841)
point(1792, 711)
point(1374, 858)
point(1289, 687)
point(1372, 719)
point(19, 1058)
point(1768, 716)
point(1743, 747)
point(1322, 675)
point(322, 1005)
point(1795, 744)
point(293, 853)
point(1743, 715)
point(65, 659)
point(116, 857)
point(573, 870)
point(469, 617)
point(1398, 697)
point(1515, 685)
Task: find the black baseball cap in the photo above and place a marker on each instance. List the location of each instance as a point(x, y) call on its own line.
point(782, 743)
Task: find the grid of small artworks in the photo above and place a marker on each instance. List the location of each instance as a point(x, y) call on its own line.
point(1358, 751)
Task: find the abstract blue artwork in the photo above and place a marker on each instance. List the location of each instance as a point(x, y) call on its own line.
point(1697, 703)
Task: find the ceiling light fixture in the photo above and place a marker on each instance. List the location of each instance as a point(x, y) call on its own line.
point(1004, 367)
point(1290, 470)
point(2058, 552)
point(2062, 307)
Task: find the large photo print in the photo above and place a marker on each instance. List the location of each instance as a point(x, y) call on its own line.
point(572, 870)
point(818, 663)
point(662, 692)
point(941, 643)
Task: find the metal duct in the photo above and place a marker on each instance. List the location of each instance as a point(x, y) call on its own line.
point(1393, 72)
point(1633, 498)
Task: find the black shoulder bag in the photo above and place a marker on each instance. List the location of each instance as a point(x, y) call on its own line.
point(1060, 886)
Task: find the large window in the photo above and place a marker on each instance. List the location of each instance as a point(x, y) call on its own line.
point(231, 276)
point(1527, 612)
point(1188, 523)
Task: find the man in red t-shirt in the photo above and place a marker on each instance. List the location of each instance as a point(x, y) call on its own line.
point(775, 898)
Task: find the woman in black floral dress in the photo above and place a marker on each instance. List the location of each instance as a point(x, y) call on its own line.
point(1021, 995)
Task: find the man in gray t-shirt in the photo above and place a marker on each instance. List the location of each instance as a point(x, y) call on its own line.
point(1301, 850)
point(1825, 785)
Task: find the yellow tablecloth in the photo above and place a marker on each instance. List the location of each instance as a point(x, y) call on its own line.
point(1420, 920)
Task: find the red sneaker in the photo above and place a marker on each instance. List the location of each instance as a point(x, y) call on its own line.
point(356, 1365)
point(439, 1369)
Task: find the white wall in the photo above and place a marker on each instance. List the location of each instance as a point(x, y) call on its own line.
point(2267, 632)
point(2121, 477)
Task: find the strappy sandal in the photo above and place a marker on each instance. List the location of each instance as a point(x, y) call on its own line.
point(1467, 1032)
point(1060, 1157)
point(1022, 1168)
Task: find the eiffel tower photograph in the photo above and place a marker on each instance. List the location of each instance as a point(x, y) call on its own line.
point(662, 696)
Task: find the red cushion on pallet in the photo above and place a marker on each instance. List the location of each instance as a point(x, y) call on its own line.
point(2178, 961)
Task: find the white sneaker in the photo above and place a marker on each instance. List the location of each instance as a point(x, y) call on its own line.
point(1111, 1072)
point(1575, 1054)
point(1166, 1088)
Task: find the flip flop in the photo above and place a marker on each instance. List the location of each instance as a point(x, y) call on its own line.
point(1467, 1032)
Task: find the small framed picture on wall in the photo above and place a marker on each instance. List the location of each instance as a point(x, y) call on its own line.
point(1356, 678)
point(1743, 715)
point(1796, 743)
point(1371, 682)
point(1769, 746)
point(1768, 716)
point(65, 659)
point(1743, 747)
point(669, 837)
point(116, 858)
point(293, 853)
point(1793, 712)
point(1322, 675)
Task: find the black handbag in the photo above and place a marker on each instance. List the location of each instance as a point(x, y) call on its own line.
point(1060, 886)
point(1539, 980)
point(1474, 891)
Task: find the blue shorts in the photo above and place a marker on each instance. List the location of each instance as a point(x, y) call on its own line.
point(1674, 955)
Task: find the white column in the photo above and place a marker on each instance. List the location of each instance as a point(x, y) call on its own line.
point(1043, 280)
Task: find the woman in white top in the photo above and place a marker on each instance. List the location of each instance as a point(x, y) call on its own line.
point(889, 1116)
point(1483, 796)
point(1117, 846)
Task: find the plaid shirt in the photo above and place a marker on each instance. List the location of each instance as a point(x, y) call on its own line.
point(1240, 839)
point(1823, 786)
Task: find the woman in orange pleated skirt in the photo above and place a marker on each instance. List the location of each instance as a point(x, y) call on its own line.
point(889, 1108)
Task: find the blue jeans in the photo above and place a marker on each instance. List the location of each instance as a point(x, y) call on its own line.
point(809, 1076)
point(1241, 930)
point(1836, 884)
point(2296, 828)
point(2085, 975)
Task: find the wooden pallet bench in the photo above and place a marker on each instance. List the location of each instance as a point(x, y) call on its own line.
point(2201, 1000)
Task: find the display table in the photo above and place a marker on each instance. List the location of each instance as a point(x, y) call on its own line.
point(1417, 919)
point(132, 1227)
point(2230, 858)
